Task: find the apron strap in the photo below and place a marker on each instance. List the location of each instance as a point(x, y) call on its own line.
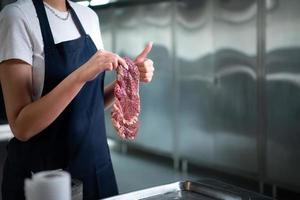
point(76, 20)
point(44, 23)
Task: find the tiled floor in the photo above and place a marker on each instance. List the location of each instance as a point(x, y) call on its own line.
point(135, 173)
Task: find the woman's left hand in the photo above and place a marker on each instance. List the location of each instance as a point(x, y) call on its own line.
point(145, 65)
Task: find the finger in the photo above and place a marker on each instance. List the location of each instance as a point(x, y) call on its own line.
point(145, 52)
point(146, 75)
point(146, 80)
point(118, 61)
point(143, 69)
point(114, 61)
point(149, 61)
point(110, 66)
point(146, 68)
point(122, 62)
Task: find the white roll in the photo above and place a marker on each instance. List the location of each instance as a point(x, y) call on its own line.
point(48, 185)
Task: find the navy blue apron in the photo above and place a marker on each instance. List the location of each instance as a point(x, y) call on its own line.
point(76, 141)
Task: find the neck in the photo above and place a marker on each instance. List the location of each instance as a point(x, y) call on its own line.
point(57, 4)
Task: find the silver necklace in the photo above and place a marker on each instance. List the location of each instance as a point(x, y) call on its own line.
point(62, 18)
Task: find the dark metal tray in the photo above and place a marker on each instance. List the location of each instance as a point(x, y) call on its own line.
point(185, 190)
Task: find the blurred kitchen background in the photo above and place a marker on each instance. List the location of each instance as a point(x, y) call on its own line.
point(225, 99)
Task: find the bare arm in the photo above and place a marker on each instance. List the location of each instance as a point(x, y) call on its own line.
point(27, 118)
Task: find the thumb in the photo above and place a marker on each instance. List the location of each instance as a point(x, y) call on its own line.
point(140, 58)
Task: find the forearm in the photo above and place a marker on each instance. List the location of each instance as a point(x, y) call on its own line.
point(109, 95)
point(38, 115)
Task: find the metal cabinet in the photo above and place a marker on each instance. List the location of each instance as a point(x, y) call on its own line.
point(216, 55)
point(282, 92)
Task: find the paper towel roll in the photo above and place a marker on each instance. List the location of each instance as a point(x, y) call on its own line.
point(48, 185)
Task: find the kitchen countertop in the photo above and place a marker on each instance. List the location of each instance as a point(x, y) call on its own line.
point(204, 189)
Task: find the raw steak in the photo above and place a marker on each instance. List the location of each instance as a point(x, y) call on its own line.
point(126, 108)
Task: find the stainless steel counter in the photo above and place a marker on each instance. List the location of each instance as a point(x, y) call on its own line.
point(186, 190)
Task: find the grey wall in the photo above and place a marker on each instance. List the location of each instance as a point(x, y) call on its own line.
point(226, 88)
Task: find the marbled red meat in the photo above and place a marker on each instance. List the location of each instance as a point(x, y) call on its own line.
point(126, 108)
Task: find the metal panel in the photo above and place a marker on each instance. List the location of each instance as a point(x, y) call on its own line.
point(235, 98)
point(134, 27)
point(106, 19)
point(283, 93)
point(194, 47)
point(217, 59)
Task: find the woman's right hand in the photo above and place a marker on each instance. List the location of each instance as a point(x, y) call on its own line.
point(99, 62)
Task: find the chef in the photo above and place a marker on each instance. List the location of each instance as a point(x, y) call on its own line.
point(52, 68)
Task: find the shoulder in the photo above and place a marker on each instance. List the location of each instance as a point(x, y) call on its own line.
point(11, 11)
point(84, 12)
point(16, 12)
point(16, 31)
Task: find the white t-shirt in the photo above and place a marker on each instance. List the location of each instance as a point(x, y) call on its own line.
point(21, 37)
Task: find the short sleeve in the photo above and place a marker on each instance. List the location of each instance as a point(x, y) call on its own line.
point(97, 33)
point(14, 35)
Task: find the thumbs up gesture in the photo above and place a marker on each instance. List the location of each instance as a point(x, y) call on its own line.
point(145, 65)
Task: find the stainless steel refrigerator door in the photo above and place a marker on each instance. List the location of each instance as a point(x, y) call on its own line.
point(216, 52)
point(283, 92)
